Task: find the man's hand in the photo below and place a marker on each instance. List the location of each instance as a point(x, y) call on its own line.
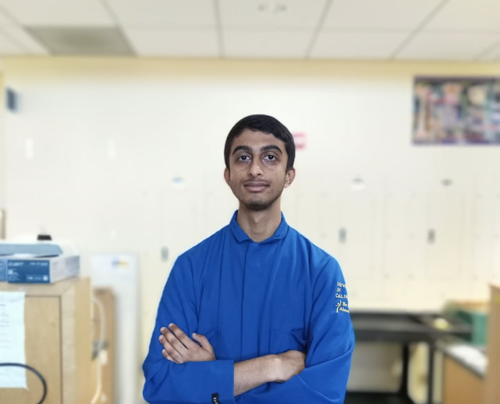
point(291, 363)
point(179, 348)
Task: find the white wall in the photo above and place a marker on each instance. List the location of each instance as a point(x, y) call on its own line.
point(2, 161)
point(109, 135)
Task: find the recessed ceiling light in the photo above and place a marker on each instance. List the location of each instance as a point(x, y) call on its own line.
point(272, 7)
point(89, 41)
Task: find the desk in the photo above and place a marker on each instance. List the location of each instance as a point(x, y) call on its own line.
point(404, 329)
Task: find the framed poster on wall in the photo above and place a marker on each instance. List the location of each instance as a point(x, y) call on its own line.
point(456, 110)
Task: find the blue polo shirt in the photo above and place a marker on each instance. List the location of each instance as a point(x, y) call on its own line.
point(253, 299)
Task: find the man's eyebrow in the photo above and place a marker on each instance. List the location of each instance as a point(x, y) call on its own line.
point(264, 148)
point(244, 148)
point(271, 147)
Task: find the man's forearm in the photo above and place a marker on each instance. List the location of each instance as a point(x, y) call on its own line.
point(252, 373)
point(249, 374)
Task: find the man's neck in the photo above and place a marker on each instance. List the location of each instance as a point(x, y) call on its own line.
point(259, 225)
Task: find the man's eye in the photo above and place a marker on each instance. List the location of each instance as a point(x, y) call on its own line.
point(244, 158)
point(270, 157)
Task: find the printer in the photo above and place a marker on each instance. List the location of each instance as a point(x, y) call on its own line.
point(38, 261)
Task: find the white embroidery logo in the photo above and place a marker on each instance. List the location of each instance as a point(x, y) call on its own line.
point(341, 295)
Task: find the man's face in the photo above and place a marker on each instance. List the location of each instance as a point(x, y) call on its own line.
point(257, 169)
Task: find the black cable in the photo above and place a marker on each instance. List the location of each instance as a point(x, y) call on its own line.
point(36, 372)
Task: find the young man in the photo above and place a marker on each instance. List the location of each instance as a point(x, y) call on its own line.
point(256, 313)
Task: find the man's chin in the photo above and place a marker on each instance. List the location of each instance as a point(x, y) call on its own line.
point(257, 206)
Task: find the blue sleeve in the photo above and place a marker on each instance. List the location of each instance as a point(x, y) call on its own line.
point(189, 383)
point(330, 347)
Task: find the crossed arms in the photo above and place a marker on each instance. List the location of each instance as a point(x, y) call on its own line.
point(189, 372)
point(249, 374)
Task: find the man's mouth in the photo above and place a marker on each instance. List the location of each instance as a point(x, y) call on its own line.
point(255, 186)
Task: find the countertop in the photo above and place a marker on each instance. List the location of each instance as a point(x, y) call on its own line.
point(470, 356)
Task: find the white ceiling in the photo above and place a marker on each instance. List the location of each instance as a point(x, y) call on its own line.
point(462, 30)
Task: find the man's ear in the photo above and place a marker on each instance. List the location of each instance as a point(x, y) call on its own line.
point(227, 176)
point(289, 177)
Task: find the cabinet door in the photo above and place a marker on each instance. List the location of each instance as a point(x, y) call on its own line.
point(308, 215)
point(348, 229)
point(496, 239)
point(403, 226)
point(461, 386)
point(482, 239)
point(444, 235)
point(179, 221)
point(357, 233)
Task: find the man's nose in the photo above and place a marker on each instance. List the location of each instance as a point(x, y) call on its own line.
point(255, 168)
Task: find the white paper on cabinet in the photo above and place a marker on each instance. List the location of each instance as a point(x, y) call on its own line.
point(12, 339)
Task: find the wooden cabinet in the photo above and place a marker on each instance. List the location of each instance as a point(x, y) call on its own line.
point(492, 387)
point(461, 385)
point(57, 342)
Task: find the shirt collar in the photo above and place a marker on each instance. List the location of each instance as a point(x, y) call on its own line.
point(241, 236)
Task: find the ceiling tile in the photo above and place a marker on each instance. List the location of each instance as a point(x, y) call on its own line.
point(162, 13)
point(24, 41)
point(271, 14)
point(58, 12)
point(448, 46)
point(174, 43)
point(5, 19)
point(357, 45)
point(467, 15)
point(352, 29)
point(378, 14)
point(7, 47)
point(266, 45)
